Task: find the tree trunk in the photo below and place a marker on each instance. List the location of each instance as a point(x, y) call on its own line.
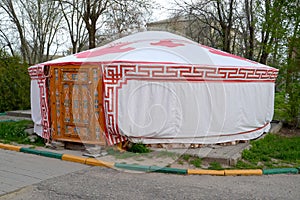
point(264, 56)
point(250, 26)
point(92, 37)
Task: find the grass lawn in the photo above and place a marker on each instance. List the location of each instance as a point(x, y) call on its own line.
point(14, 131)
point(273, 151)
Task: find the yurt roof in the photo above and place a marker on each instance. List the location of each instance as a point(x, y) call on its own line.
point(156, 47)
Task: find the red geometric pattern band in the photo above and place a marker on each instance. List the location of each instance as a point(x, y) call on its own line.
point(37, 73)
point(115, 75)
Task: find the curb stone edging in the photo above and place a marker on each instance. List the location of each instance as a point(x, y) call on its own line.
point(281, 171)
point(96, 162)
point(72, 158)
point(9, 147)
point(145, 168)
point(206, 172)
point(243, 172)
point(41, 153)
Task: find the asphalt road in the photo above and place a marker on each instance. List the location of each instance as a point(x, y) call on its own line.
point(18, 169)
point(102, 183)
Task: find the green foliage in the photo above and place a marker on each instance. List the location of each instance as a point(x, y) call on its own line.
point(273, 149)
point(196, 162)
point(215, 166)
point(15, 132)
point(186, 157)
point(139, 148)
point(280, 107)
point(14, 84)
point(289, 79)
point(287, 101)
point(287, 105)
point(180, 162)
point(138, 156)
point(246, 165)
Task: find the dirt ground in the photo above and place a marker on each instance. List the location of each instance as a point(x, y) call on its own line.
point(162, 159)
point(289, 132)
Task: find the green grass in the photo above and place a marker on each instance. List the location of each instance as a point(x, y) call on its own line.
point(136, 150)
point(246, 165)
point(12, 131)
point(186, 157)
point(196, 162)
point(272, 151)
point(180, 162)
point(139, 148)
point(215, 166)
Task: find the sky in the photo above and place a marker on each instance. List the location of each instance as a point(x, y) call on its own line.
point(162, 13)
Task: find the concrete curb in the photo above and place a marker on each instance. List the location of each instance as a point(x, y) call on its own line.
point(9, 147)
point(206, 172)
point(227, 172)
point(281, 171)
point(243, 172)
point(7, 120)
point(133, 167)
point(72, 158)
point(144, 168)
point(96, 162)
point(167, 170)
point(41, 153)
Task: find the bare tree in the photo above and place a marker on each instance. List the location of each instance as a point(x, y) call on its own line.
point(103, 17)
point(37, 23)
point(9, 7)
point(6, 41)
point(192, 20)
point(44, 21)
point(225, 19)
point(271, 26)
point(92, 11)
point(71, 11)
point(247, 24)
point(216, 14)
point(126, 16)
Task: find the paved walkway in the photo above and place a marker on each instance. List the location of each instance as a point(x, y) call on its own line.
point(18, 170)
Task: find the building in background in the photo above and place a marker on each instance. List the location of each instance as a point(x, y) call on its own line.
point(199, 30)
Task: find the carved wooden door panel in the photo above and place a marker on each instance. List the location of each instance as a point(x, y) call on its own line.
point(76, 104)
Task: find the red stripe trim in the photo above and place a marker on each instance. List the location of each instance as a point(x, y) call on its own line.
point(198, 80)
point(224, 135)
point(125, 62)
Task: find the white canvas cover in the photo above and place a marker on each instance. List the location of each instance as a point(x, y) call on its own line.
point(39, 101)
point(163, 88)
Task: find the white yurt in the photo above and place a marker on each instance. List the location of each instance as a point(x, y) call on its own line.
point(152, 87)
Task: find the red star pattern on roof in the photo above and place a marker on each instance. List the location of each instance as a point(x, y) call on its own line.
point(167, 43)
point(106, 50)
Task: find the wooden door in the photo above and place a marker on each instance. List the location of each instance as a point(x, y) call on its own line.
point(76, 104)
